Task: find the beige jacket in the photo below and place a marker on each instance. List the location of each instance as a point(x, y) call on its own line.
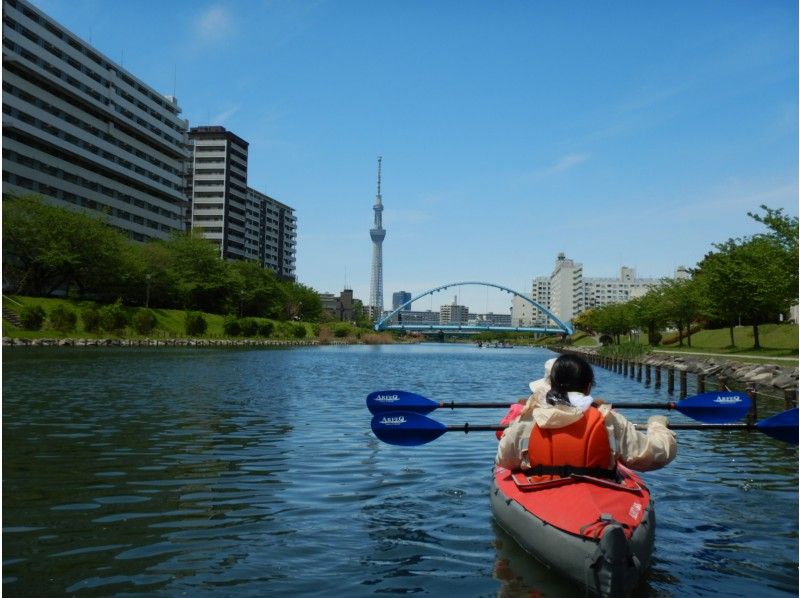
point(634, 449)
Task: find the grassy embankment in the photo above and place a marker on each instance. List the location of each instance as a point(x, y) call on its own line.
point(777, 340)
point(169, 324)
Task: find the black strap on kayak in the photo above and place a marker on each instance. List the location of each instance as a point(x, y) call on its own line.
point(565, 471)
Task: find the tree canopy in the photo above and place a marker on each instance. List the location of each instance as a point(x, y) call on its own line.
point(48, 249)
point(752, 280)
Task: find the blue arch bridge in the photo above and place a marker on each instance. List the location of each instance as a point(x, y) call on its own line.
point(394, 319)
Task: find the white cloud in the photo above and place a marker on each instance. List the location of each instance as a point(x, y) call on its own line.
point(565, 163)
point(213, 25)
point(222, 117)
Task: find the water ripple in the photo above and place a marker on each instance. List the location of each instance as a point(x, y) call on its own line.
point(254, 472)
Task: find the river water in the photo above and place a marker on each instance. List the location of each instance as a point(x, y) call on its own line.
point(206, 472)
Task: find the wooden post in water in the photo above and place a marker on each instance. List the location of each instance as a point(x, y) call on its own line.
point(670, 379)
point(701, 383)
point(658, 376)
point(625, 368)
point(639, 371)
point(683, 383)
point(647, 374)
point(790, 398)
point(752, 417)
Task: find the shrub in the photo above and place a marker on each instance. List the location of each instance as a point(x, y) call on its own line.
point(655, 339)
point(32, 317)
point(62, 318)
point(341, 330)
point(248, 326)
point(113, 317)
point(90, 316)
point(144, 320)
point(231, 326)
point(265, 328)
point(298, 331)
point(195, 323)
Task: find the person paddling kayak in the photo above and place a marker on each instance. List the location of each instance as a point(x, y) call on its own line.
point(561, 431)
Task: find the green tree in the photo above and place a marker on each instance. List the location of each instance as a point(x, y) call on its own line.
point(719, 275)
point(46, 248)
point(683, 303)
point(302, 302)
point(198, 273)
point(614, 319)
point(257, 290)
point(649, 313)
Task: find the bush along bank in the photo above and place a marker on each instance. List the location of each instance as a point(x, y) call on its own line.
point(161, 342)
point(724, 371)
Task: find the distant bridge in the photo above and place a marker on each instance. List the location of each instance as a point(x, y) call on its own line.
point(386, 322)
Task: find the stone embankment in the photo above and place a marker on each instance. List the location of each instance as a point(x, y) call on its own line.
point(149, 342)
point(721, 369)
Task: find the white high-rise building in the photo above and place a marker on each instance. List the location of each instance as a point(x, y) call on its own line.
point(566, 288)
point(603, 291)
point(86, 134)
point(524, 313)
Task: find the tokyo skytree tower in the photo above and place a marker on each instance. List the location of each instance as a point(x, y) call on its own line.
point(378, 234)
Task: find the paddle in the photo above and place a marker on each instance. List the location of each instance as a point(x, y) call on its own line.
point(711, 407)
point(406, 428)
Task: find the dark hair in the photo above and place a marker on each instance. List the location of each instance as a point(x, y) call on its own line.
point(570, 373)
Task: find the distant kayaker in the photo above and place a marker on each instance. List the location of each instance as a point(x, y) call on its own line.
point(561, 431)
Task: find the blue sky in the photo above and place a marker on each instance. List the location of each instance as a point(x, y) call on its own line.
point(621, 133)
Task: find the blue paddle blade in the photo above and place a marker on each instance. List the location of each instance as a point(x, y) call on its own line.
point(782, 426)
point(404, 428)
point(382, 401)
point(716, 407)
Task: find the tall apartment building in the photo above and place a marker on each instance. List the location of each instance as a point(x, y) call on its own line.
point(399, 298)
point(271, 233)
point(217, 187)
point(453, 313)
point(566, 292)
point(246, 224)
point(522, 312)
point(84, 133)
point(603, 291)
point(566, 288)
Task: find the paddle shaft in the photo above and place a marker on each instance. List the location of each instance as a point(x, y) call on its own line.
point(454, 405)
point(466, 428)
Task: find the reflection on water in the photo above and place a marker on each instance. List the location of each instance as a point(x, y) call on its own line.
point(212, 472)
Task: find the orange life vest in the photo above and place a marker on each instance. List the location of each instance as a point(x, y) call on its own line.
point(580, 448)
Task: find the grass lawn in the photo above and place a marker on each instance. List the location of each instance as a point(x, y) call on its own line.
point(170, 322)
point(777, 340)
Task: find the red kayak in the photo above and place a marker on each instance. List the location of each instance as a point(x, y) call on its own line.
point(598, 532)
